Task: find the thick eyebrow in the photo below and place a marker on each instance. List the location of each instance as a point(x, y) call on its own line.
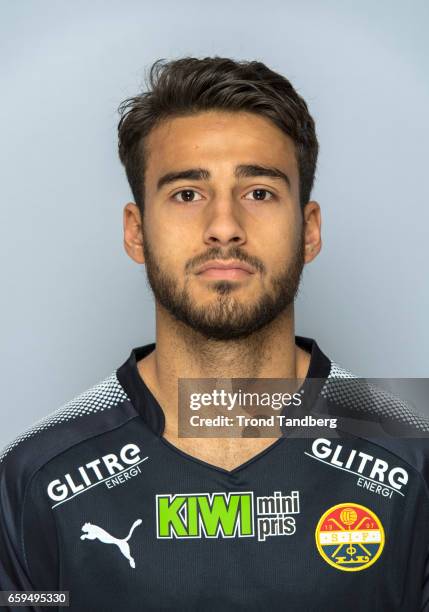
point(242, 171)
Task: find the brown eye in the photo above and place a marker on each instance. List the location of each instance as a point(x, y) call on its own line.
point(260, 194)
point(187, 194)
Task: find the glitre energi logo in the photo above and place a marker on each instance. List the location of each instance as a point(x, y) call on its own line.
point(371, 473)
point(111, 470)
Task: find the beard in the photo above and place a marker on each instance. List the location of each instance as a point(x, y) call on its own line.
point(226, 318)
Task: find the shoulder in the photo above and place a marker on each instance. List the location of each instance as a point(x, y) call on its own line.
point(366, 396)
point(367, 410)
point(102, 407)
point(28, 536)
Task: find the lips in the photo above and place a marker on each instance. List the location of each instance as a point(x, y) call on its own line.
point(222, 265)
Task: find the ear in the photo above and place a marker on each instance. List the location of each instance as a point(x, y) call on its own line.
point(133, 232)
point(312, 230)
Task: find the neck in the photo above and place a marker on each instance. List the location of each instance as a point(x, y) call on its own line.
point(181, 352)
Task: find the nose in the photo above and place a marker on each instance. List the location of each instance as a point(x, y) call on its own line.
point(223, 226)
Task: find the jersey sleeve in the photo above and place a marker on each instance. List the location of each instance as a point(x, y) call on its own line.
point(13, 571)
point(425, 588)
point(14, 575)
point(28, 546)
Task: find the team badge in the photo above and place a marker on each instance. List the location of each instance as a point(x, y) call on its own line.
point(350, 537)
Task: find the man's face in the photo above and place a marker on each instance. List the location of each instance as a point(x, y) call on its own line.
point(226, 210)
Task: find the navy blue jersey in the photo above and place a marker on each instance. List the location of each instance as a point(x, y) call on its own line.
point(93, 500)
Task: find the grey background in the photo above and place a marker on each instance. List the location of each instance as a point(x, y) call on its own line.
point(73, 304)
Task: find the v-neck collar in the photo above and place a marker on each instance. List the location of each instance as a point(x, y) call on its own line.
point(152, 413)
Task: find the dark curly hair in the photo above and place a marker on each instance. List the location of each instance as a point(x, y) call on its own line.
point(190, 85)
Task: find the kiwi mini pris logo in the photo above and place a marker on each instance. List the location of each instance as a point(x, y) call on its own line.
point(226, 515)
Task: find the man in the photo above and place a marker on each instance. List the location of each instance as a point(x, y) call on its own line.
point(104, 499)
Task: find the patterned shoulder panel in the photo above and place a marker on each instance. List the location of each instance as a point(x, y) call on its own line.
point(358, 394)
point(101, 396)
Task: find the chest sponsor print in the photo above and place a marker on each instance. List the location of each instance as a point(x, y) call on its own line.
point(371, 473)
point(226, 515)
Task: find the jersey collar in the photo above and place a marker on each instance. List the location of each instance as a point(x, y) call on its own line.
point(149, 409)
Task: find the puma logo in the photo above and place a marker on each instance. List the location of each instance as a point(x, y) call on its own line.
point(93, 532)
